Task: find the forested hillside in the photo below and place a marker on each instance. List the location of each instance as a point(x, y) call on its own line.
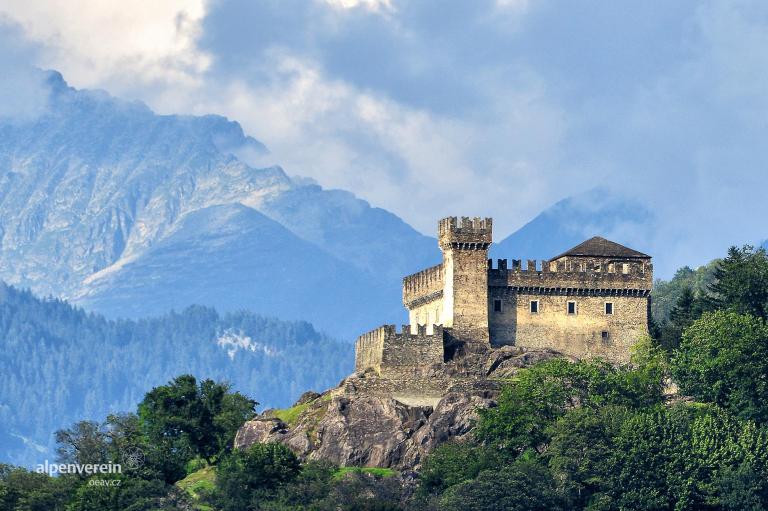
point(58, 363)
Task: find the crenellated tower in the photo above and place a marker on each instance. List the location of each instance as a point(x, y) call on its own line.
point(464, 243)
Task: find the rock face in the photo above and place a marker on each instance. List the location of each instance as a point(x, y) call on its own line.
point(354, 426)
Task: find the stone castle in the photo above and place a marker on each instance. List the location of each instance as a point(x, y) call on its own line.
point(590, 301)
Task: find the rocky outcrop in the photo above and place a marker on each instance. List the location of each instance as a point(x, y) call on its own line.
point(357, 424)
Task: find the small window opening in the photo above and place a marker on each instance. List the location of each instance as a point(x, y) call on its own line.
point(571, 307)
point(604, 334)
point(609, 307)
point(534, 306)
point(625, 268)
point(497, 306)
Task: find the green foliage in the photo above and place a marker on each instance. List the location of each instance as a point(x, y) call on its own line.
point(546, 391)
point(341, 472)
point(688, 309)
point(361, 491)
point(667, 294)
point(579, 452)
point(684, 457)
point(247, 477)
point(199, 486)
point(192, 419)
point(289, 415)
point(741, 282)
point(21, 490)
point(723, 359)
point(453, 463)
point(522, 486)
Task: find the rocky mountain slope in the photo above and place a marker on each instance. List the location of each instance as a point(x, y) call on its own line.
point(351, 426)
point(97, 195)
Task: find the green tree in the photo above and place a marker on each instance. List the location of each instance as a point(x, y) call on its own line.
point(685, 458)
point(453, 463)
point(247, 477)
point(579, 452)
point(522, 486)
point(121, 493)
point(686, 310)
point(21, 490)
point(741, 282)
point(545, 392)
point(723, 359)
point(188, 419)
point(85, 442)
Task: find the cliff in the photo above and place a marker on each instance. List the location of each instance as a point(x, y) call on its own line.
point(354, 424)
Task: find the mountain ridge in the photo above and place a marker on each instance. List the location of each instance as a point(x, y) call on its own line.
point(89, 187)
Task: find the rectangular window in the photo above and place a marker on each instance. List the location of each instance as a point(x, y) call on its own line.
point(571, 307)
point(497, 306)
point(625, 268)
point(534, 306)
point(609, 308)
point(611, 268)
point(604, 335)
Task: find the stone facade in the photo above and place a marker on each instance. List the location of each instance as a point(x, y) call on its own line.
point(591, 301)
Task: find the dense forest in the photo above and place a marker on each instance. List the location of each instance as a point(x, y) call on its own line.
point(59, 364)
point(683, 426)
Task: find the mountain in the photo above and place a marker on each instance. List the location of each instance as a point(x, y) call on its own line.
point(59, 364)
point(239, 256)
point(570, 221)
point(96, 191)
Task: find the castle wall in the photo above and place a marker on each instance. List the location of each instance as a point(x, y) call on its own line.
point(423, 297)
point(369, 348)
point(409, 354)
point(580, 334)
point(590, 285)
point(399, 355)
point(430, 313)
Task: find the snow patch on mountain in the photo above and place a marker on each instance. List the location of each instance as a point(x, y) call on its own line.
point(233, 342)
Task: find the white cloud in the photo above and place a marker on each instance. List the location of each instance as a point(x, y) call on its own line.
point(407, 159)
point(96, 41)
point(372, 5)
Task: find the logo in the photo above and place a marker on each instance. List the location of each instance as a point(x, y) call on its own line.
point(133, 458)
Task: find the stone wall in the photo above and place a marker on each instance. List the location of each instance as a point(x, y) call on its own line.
point(423, 286)
point(580, 334)
point(399, 355)
point(596, 274)
point(465, 250)
point(369, 348)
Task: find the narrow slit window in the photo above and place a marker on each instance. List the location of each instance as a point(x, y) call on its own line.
point(571, 307)
point(609, 308)
point(497, 306)
point(534, 306)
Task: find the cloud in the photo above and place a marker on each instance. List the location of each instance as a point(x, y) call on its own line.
point(100, 43)
point(22, 88)
point(373, 5)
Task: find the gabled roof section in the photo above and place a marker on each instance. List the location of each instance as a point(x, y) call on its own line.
point(601, 247)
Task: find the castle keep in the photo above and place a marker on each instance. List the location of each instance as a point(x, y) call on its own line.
point(590, 301)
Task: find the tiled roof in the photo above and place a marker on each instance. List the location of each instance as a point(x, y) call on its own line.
point(601, 247)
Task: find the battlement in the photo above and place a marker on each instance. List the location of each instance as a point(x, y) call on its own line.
point(465, 233)
point(588, 274)
point(423, 286)
point(384, 349)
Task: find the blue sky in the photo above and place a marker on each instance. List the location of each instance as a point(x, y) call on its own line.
point(430, 108)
